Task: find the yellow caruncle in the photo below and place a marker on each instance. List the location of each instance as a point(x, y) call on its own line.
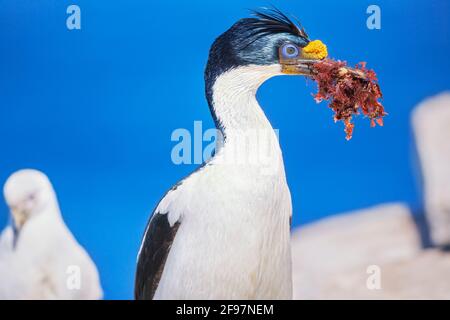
point(315, 50)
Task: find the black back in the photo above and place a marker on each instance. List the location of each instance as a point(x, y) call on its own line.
point(152, 258)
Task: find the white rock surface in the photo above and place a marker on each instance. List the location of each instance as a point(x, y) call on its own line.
point(331, 258)
point(431, 123)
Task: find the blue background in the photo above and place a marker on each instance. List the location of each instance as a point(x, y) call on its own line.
point(95, 108)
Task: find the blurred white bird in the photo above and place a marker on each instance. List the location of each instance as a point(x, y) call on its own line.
point(39, 257)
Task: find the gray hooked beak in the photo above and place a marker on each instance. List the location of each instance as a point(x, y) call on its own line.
point(299, 67)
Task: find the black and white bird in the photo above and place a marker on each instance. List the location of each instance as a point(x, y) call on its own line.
point(39, 257)
point(224, 231)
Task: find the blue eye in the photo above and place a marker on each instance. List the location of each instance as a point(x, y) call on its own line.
point(290, 51)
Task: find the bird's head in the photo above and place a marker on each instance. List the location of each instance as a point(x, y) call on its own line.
point(270, 42)
point(27, 192)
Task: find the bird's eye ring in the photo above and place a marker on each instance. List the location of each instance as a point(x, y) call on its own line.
point(290, 51)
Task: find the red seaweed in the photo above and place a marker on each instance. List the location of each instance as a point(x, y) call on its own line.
point(351, 91)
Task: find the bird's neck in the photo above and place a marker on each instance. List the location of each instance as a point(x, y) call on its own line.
point(244, 127)
point(233, 101)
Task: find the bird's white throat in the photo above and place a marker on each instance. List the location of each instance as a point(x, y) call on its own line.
point(249, 138)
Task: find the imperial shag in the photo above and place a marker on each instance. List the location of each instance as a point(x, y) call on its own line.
point(224, 231)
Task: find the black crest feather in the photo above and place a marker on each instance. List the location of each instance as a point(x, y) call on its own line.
point(272, 20)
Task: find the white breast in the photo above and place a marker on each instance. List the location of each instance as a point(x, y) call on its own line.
point(233, 241)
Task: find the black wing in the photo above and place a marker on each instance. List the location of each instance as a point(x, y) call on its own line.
point(156, 245)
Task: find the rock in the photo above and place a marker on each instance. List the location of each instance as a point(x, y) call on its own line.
point(431, 123)
point(379, 253)
point(332, 258)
